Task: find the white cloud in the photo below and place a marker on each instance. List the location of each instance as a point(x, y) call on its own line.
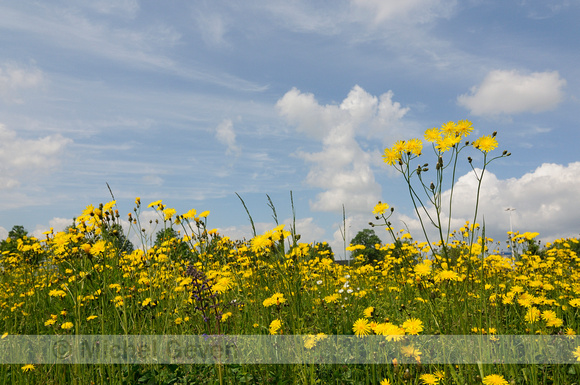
point(14, 78)
point(416, 11)
point(225, 134)
point(20, 158)
point(512, 92)
point(57, 224)
point(342, 168)
point(127, 8)
point(213, 28)
point(546, 201)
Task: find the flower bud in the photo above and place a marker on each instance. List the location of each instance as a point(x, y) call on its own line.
point(432, 186)
point(494, 134)
point(469, 159)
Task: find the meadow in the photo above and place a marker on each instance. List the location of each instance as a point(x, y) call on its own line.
point(85, 280)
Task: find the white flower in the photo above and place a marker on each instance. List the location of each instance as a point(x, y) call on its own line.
point(340, 291)
point(319, 282)
point(349, 291)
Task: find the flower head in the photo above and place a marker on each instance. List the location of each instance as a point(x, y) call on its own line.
point(380, 208)
point(275, 326)
point(464, 127)
point(391, 156)
point(432, 135)
point(414, 146)
point(494, 379)
point(361, 327)
point(485, 143)
point(429, 379)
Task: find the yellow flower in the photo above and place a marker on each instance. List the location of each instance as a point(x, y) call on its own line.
point(432, 135)
point(413, 326)
point(67, 325)
point(532, 315)
point(27, 368)
point(391, 156)
point(464, 127)
point(423, 268)
point(57, 293)
point(414, 146)
point(448, 128)
point(485, 143)
point(385, 382)
point(361, 327)
point(380, 208)
point(494, 379)
point(190, 214)
point(91, 317)
point(204, 214)
point(368, 312)
point(275, 326)
point(276, 299)
point(576, 353)
point(445, 143)
point(178, 321)
point(447, 274)
point(332, 298)
point(4, 336)
point(429, 379)
point(49, 322)
point(156, 203)
point(169, 213)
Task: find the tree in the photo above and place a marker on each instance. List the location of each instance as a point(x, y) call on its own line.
point(178, 247)
point(368, 239)
point(10, 243)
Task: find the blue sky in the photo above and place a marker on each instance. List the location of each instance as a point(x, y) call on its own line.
point(193, 101)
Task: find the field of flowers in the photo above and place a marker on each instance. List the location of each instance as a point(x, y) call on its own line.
point(84, 281)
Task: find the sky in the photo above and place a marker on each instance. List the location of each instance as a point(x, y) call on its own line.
point(192, 102)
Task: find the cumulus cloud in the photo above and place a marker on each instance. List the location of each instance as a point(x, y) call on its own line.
point(545, 201)
point(342, 168)
point(20, 158)
point(225, 134)
point(14, 78)
point(512, 92)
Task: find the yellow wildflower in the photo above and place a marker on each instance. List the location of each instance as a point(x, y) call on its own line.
point(361, 327)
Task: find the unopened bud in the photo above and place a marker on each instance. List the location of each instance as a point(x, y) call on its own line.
point(425, 169)
point(508, 154)
point(426, 165)
point(432, 186)
point(392, 209)
point(494, 134)
point(504, 153)
point(467, 142)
